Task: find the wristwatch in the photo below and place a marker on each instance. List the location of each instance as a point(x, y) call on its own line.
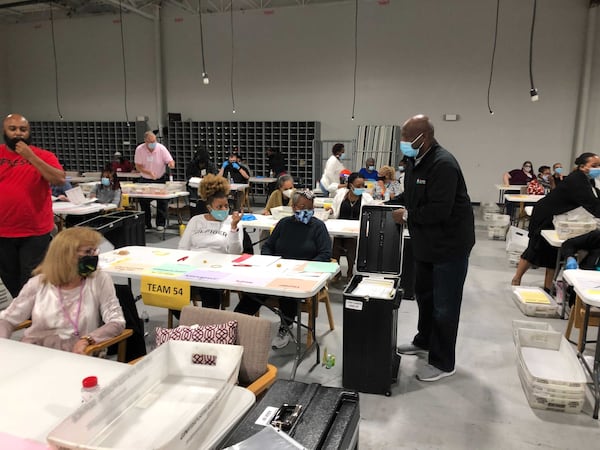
point(90, 340)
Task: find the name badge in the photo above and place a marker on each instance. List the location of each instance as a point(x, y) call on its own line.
point(150, 158)
point(421, 181)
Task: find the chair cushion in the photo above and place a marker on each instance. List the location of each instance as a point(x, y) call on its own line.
point(224, 333)
point(254, 334)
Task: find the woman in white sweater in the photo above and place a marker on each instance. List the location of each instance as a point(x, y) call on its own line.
point(70, 303)
point(216, 231)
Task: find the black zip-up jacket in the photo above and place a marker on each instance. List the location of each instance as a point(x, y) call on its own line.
point(440, 215)
point(589, 242)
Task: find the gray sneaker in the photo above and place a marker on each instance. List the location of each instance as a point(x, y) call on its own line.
point(411, 349)
point(282, 339)
point(432, 373)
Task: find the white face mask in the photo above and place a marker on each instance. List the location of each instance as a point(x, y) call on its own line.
point(288, 193)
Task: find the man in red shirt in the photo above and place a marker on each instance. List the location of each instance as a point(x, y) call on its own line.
point(26, 217)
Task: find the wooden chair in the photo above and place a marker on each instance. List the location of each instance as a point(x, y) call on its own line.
point(576, 320)
point(93, 349)
point(254, 334)
point(307, 307)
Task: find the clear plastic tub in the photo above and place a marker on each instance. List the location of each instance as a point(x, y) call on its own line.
point(521, 294)
point(161, 403)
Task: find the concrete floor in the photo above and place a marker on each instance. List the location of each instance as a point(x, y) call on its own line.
point(481, 407)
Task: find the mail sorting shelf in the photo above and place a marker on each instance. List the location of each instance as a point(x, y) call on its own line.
point(295, 140)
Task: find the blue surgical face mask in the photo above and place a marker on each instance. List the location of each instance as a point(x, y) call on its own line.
point(400, 168)
point(594, 172)
point(358, 191)
point(558, 170)
point(342, 156)
point(105, 182)
point(152, 145)
point(371, 168)
point(407, 147)
point(219, 214)
point(304, 215)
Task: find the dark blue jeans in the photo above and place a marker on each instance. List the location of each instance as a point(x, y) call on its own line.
point(439, 290)
point(162, 206)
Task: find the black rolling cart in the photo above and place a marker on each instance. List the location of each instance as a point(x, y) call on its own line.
point(371, 302)
point(121, 228)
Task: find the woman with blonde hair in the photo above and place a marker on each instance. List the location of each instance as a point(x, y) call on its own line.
point(216, 231)
point(387, 187)
point(68, 299)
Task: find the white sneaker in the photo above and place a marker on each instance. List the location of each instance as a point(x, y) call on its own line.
point(160, 228)
point(282, 339)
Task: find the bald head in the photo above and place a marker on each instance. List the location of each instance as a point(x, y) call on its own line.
point(15, 128)
point(416, 125)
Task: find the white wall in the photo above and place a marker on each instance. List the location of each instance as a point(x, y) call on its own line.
point(592, 135)
point(296, 64)
point(4, 86)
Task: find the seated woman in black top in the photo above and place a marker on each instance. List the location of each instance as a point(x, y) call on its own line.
point(589, 242)
point(300, 236)
point(346, 205)
point(576, 190)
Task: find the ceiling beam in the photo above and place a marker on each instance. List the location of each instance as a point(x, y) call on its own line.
point(130, 8)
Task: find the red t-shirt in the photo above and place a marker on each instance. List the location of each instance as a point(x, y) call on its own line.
point(25, 197)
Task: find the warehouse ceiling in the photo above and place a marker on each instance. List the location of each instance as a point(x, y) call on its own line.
point(12, 11)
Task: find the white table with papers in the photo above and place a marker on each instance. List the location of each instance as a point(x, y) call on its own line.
point(258, 274)
point(335, 227)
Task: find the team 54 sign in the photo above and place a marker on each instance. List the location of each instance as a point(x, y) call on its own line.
point(172, 294)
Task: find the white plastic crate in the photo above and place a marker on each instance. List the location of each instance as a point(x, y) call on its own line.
point(530, 325)
point(322, 214)
point(513, 258)
point(161, 403)
point(487, 209)
point(496, 219)
point(566, 229)
point(549, 402)
point(531, 308)
point(279, 212)
point(547, 358)
point(517, 240)
point(497, 232)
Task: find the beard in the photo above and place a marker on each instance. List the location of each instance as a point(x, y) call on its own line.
point(12, 143)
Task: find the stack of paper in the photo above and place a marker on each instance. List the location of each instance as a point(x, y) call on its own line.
point(377, 288)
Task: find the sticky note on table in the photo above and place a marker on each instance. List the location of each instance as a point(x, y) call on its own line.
point(323, 267)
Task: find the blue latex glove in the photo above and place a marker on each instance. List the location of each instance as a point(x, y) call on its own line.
point(236, 166)
point(225, 164)
point(571, 263)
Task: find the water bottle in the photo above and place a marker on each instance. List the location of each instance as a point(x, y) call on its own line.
point(146, 318)
point(89, 388)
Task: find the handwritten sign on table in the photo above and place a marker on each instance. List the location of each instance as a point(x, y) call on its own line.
point(172, 269)
point(172, 294)
point(207, 275)
point(292, 284)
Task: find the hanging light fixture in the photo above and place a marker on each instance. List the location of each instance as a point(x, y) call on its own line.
point(205, 79)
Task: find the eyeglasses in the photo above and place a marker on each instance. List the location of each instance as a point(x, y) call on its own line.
point(306, 193)
point(90, 251)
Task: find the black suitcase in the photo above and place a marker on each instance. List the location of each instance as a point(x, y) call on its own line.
point(370, 361)
point(327, 417)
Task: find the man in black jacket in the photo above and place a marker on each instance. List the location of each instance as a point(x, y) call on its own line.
point(438, 211)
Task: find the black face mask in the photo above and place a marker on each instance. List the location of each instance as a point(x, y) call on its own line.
point(87, 265)
point(12, 143)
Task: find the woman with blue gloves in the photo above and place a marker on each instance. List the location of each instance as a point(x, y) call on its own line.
point(215, 231)
point(577, 189)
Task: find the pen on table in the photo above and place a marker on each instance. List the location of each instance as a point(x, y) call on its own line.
point(183, 258)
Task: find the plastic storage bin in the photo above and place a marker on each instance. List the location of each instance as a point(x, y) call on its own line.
point(161, 403)
point(526, 299)
point(566, 229)
point(279, 212)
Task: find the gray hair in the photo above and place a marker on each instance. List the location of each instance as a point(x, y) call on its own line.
point(282, 179)
point(147, 134)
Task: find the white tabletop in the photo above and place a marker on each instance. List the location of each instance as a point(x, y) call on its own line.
point(68, 208)
point(552, 238)
point(335, 227)
point(264, 180)
point(168, 196)
point(510, 187)
point(586, 284)
point(523, 198)
point(83, 179)
point(40, 387)
point(284, 277)
point(194, 182)
point(128, 174)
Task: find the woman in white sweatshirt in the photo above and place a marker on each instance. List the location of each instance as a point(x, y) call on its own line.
point(215, 231)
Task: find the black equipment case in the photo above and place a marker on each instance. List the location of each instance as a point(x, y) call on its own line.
point(317, 417)
point(370, 360)
point(121, 228)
